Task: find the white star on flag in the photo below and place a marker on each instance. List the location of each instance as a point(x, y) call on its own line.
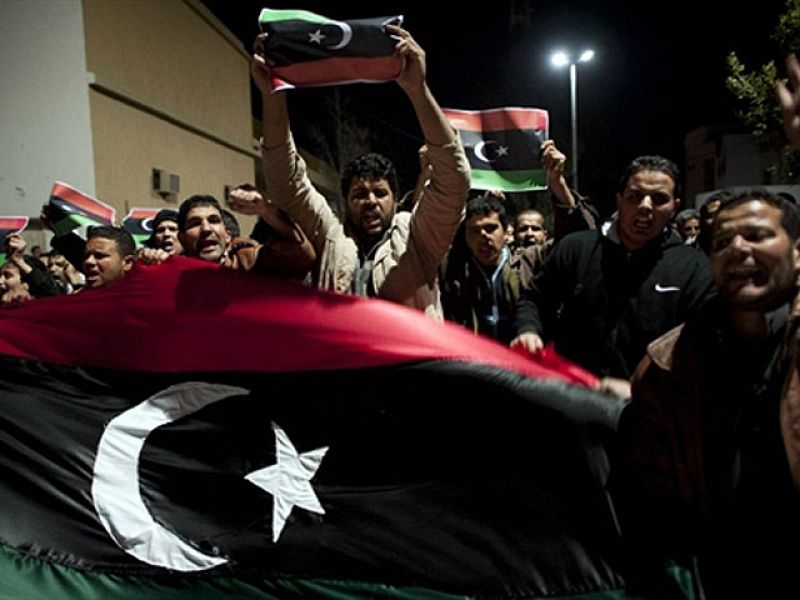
point(502, 151)
point(316, 37)
point(289, 480)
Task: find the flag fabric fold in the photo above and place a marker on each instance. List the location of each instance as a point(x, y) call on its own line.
point(305, 49)
point(502, 145)
point(70, 210)
point(196, 432)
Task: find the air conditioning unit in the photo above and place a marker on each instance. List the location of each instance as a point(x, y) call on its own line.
point(166, 184)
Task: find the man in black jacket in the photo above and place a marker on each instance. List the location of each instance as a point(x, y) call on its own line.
point(602, 296)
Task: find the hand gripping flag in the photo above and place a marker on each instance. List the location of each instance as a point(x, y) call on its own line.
point(192, 432)
point(9, 225)
point(70, 210)
point(502, 145)
point(139, 223)
point(306, 49)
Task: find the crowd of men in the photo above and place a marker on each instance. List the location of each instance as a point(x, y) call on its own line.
point(692, 318)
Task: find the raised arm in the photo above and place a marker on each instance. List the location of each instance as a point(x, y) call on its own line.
point(435, 126)
point(554, 162)
point(440, 210)
point(571, 212)
point(287, 179)
point(275, 123)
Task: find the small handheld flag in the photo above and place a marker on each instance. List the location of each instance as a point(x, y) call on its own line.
point(139, 223)
point(502, 145)
point(70, 210)
point(9, 225)
point(306, 49)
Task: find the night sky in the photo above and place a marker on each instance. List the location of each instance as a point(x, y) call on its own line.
point(657, 72)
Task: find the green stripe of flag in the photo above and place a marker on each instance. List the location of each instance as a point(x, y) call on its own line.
point(73, 222)
point(23, 576)
point(269, 15)
point(509, 181)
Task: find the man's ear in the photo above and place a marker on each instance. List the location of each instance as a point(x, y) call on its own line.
point(128, 262)
point(796, 257)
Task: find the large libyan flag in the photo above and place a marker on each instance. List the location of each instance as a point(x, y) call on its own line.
point(503, 146)
point(191, 432)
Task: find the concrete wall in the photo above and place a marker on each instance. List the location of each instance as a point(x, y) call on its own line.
point(129, 143)
point(44, 103)
point(97, 93)
point(170, 90)
point(172, 55)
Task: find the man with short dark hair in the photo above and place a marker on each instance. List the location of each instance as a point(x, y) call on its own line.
point(529, 228)
point(109, 253)
point(31, 274)
point(705, 476)
point(602, 296)
point(165, 232)
point(202, 231)
point(687, 225)
point(377, 251)
point(201, 228)
point(479, 286)
point(708, 211)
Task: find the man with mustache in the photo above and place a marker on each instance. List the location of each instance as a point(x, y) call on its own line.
point(203, 234)
point(165, 232)
point(707, 454)
point(376, 251)
point(602, 296)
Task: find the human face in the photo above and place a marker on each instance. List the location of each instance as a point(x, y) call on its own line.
point(485, 236)
point(369, 208)
point(103, 263)
point(165, 237)
point(690, 229)
point(645, 207)
point(205, 236)
point(753, 261)
point(530, 229)
point(10, 278)
point(509, 237)
point(57, 266)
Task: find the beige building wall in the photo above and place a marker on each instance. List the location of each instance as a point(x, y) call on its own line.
point(169, 90)
point(128, 143)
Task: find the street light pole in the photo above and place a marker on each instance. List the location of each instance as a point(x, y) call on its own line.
point(573, 101)
point(561, 59)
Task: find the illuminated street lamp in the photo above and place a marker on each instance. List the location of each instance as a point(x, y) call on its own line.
point(562, 59)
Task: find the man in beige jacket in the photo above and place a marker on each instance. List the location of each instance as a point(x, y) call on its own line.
point(376, 252)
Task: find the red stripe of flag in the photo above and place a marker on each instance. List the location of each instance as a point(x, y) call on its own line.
point(12, 224)
point(83, 201)
point(498, 119)
point(170, 305)
point(330, 71)
point(142, 213)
